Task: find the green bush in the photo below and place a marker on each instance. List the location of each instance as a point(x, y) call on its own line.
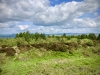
point(90, 43)
point(64, 35)
point(10, 42)
point(98, 38)
point(21, 41)
point(83, 36)
point(92, 36)
point(2, 41)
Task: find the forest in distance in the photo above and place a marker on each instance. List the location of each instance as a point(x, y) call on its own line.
point(41, 54)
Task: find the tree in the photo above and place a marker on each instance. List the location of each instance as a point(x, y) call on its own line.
point(36, 35)
point(42, 36)
point(83, 36)
point(64, 35)
point(92, 36)
point(98, 38)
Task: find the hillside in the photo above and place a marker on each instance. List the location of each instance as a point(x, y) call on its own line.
point(51, 55)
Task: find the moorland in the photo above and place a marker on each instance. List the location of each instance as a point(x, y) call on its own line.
point(40, 54)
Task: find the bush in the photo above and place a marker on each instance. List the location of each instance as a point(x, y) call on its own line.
point(83, 36)
point(92, 36)
point(10, 42)
point(21, 41)
point(10, 52)
point(0, 70)
point(98, 38)
point(24, 48)
point(90, 43)
point(4, 46)
point(2, 41)
point(64, 35)
point(85, 54)
point(58, 47)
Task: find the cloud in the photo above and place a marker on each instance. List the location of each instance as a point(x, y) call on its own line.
point(19, 10)
point(41, 13)
point(65, 12)
point(23, 27)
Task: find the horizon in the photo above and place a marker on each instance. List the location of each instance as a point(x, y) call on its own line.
point(49, 16)
point(57, 34)
point(50, 33)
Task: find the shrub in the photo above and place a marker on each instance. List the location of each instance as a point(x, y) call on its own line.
point(64, 35)
point(21, 41)
point(73, 45)
point(3, 50)
point(10, 52)
point(98, 38)
point(83, 36)
point(90, 43)
point(0, 70)
point(85, 54)
point(9, 42)
point(4, 46)
point(2, 41)
point(57, 47)
point(92, 36)
point(78, 36)
point(68, 37)
point(24, 48)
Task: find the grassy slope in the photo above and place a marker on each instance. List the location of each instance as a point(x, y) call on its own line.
point(35, 62)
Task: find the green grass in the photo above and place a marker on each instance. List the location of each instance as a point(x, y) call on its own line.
point(35, 62)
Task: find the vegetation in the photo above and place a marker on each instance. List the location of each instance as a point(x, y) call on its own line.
point(38, 54)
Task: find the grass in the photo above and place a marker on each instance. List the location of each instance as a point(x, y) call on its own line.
point(35, 62)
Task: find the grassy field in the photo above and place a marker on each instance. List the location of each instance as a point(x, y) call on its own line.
point(35, 62)
point(53, 57)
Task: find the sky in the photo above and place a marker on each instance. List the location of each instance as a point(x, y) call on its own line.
point(49, 16)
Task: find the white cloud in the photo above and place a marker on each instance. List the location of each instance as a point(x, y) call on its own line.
point(23, 27)
point(40, 12)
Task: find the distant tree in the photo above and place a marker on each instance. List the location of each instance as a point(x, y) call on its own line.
point(72, 36)
point(83, 36)
point(92, 36)
point(27, 36)
point(64, 35)
point(53, 36)
point(42, 36)
point(37, 35)
point(98, 38)
point(49, 36)
point(78, 36)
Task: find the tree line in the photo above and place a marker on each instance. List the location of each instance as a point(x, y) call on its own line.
point(27, 35)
